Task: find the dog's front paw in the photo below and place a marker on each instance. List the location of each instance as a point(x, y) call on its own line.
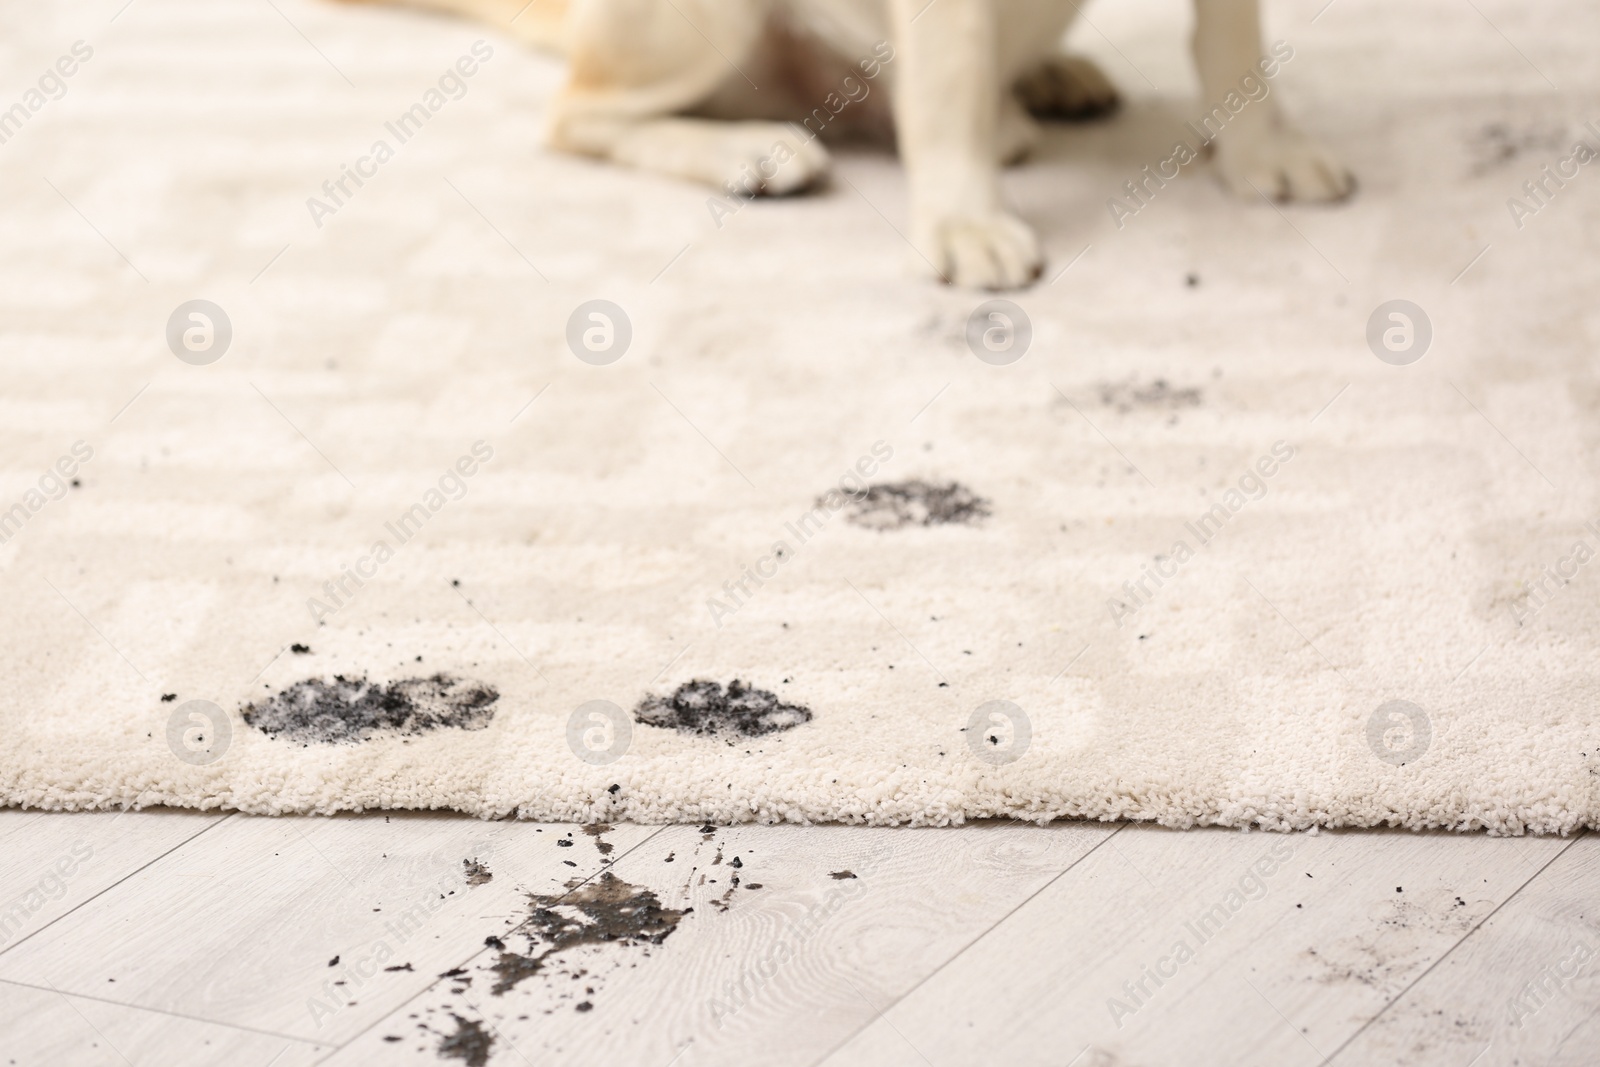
point(991, 251)
point(1283, 164)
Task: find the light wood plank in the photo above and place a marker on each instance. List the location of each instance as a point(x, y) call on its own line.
point(783, 974)
point(1309, 946)
point(51, 862)
point(240, 926)
point(44, 1028)
point(1524, 988)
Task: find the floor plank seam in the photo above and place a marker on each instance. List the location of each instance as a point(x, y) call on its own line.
point(964, 948)
point(91, 899)
point(1579, 836)
point(160, 1011)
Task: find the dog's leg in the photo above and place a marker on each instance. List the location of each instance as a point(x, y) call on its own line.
point(947, 113)
point(638, 65)
point(1067, 87)
point(1017, 133)
point(1258, 150)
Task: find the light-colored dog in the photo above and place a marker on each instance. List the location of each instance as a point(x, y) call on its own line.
point(716, 90)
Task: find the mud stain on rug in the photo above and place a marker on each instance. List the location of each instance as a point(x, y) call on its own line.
point(707, 709)
point(893, 505)
point(1157, 395)
point(318, 711)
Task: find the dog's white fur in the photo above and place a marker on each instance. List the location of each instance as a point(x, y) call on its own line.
point(708, 90)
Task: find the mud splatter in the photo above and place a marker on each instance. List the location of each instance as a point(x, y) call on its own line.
point(604, 847)
point(477, 872)
point(721, 903)
point(470, 1043)
point(890, 506)
point(601, 912)
point(354, 709)
point(705, 708)
point(1158, 395)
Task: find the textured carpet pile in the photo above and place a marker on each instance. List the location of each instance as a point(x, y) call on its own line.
point(1198, 556)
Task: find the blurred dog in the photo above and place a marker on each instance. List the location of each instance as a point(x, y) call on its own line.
point(734, 93)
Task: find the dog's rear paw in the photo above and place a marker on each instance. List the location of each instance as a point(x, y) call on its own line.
point(783, 162)
point(1067, 87)
point(754, 158)
point(1282, 165)
point(994, 251)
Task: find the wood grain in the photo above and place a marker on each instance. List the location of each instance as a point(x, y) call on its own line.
point(784, 973)
point(46, 1028)
point(987, 943)
point(1524, 988)
point(240, 927)
point(51, 862)
point(1305, 950)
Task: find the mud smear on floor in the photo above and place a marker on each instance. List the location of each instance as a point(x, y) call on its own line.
point(1389, 953)
point(470, 1043)
point(477, 872)
point(318, 711)
point(601, 845)
point(706, 708)
point(604, 911)
point(1158, 395)
point(893, 505)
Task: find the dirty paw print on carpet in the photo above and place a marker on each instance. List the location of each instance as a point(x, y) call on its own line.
point(706, 708)
point(354, 709)
point(890, 506)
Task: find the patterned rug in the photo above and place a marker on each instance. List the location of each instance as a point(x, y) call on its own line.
point(456, 474)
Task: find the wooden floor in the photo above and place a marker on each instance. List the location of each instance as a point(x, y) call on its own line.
point(180, 938)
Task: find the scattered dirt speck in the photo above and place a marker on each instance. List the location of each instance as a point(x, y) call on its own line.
point(706, 708)
point(842, 875)
point(299, 649)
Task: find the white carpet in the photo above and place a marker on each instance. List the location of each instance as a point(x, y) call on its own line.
point(1389, 556)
